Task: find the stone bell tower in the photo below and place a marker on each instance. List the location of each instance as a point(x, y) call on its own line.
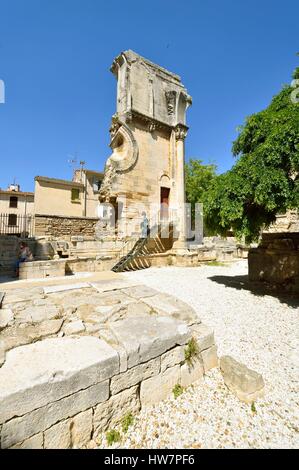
point(148, 131)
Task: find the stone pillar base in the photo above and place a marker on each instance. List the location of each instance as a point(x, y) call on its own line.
point(180, 247)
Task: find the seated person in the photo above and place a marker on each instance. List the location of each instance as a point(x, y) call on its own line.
point(23, 256)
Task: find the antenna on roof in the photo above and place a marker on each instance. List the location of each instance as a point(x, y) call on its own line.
point(72, 161)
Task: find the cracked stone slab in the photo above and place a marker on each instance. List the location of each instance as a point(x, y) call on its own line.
point(147, 337)
point(169, 305)
point(15, 335)
point(21, 295)
point(38, 313)
point(6, 317)
point(113, 284)
point(65, 287)
point(40, 373)
point(140, 292)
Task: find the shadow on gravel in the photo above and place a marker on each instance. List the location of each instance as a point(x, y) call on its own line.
point(242, 283)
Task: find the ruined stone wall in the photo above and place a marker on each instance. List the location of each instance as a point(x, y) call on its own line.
point(64, 227)
point(275, 262)
point(288, 222)
point(82, 359)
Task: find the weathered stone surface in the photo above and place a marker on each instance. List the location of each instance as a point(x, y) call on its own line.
point(204, 336)
point(42, 269)
point(21, 295)
point(165, 304)
point(113, 298)
point(34, 442)
point(65, 287)
point(2, 353)
point(147, 337)
point(173, 357)
point(209, 358)
point(112, 411)
point(81, 428)
point(62, 366)
point(58, 436)
point(113, 284)
point(6, 317)
point(135, 375)
point(36, 314)
point(18, 429)
point(123, 359)
point(136, 309)
point(140, 292)
point(20, 335)
point(276, 261)
point(245, 383)
point(158, 388)
point(73, 327)
point(92, 328)
point(191, 373)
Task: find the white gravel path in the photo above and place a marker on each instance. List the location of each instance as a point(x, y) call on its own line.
point(260, 331)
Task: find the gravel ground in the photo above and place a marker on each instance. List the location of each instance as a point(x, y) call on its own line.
point(260, 331)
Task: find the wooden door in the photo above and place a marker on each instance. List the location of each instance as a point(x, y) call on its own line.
point(164, 203)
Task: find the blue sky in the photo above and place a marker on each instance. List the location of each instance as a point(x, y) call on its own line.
point(232, 55)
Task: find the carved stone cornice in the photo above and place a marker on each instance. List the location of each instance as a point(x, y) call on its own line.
point(180, 131)
point(149, 121)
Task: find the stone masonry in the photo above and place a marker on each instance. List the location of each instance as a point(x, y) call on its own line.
point(64, 227)
point(77, 358)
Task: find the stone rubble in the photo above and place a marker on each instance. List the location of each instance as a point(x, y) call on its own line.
point(245, 383)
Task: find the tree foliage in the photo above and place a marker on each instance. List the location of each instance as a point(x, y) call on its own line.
point(198, 179)
point(265, 179)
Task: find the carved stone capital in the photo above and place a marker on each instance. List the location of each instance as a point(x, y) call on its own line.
point(180, 132)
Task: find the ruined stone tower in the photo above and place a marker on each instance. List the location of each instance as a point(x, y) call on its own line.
point(148, 130)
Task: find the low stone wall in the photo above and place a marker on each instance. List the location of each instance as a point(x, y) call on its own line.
point(64, 227)
point(42, 269)
point(221, 251)
point(90, 264)
point(276, 261)
point(70, 373)
point(63, 266)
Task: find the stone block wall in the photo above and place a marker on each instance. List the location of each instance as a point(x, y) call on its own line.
point(288, 222)
point(93, 390)
point(64, 227)
point(275, 262)
point(69, 374)
point(42, 269)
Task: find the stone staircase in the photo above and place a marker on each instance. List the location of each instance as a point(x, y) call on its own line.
point(137, 254)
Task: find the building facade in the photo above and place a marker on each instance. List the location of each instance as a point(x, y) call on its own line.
point(16, 211)
point(76, 198)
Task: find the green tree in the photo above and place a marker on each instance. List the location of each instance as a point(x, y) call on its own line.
point(265, 179)
point(198, 179)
